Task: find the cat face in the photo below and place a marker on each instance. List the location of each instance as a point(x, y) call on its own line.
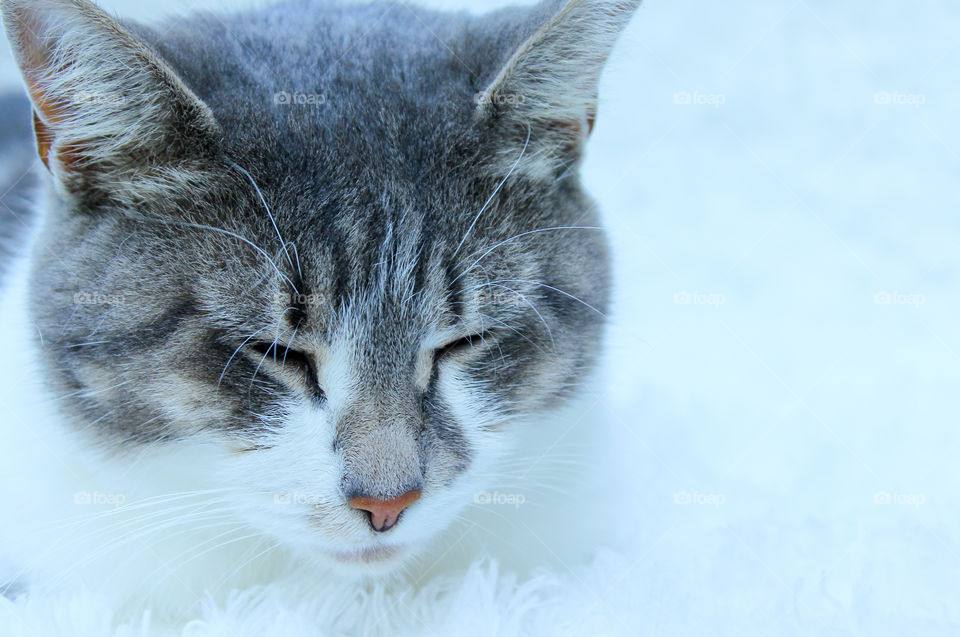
point(356, 296)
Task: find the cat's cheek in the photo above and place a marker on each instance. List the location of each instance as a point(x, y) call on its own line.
point(482, 425)
point(293, 473)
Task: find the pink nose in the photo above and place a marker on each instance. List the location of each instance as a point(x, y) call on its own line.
point(384, 513)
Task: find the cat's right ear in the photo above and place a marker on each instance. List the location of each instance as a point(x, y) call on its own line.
point(105, 106)
point(541, 106)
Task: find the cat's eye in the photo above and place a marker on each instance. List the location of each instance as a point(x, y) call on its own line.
point(290, 358)
point(462, 345)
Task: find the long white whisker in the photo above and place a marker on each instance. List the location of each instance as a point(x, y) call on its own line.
point(239, 347)
point(550, 287)
point(152, 529)
point(516, 236)
point(533, 307)
point(201, 226)
point(141, 504)
point(296, 254)
point(273, 347)
point(236, 570)
point(267, 208)
point(494, 193)
point(175, 563)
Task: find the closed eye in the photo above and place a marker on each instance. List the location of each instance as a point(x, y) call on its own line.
point(462, 345)
point(288, 358)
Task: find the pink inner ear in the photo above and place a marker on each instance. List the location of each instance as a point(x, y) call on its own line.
point(66, 156)
point(573, 133)
point(43, 112)
point(44, 139)
point(47, 114)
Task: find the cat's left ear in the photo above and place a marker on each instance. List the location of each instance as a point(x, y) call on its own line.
point(542, 105)
point(105, 106)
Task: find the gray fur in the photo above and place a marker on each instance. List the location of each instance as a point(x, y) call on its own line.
point(405, 209)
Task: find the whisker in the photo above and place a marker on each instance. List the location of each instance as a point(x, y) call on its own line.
point(239, 347)
point(532, 307)
point(226, 578)
point(517, 236)
point(201, 226)
point(273, 347)
point(174, 564)
point(550, 287)
point(494, 193)
point(267, 208)
point(140, 532)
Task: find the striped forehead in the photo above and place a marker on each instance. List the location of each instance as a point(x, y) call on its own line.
point(392, 286)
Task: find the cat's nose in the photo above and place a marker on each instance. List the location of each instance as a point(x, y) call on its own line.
point(384, 513)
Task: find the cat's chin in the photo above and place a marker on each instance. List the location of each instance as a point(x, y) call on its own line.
point(380, 559)
point(371, 555)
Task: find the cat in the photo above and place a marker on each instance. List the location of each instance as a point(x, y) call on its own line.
point(293, 281)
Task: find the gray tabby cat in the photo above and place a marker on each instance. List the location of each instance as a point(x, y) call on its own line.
point(312, 262)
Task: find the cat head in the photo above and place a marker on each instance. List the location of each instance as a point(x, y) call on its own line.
point(346, 244)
